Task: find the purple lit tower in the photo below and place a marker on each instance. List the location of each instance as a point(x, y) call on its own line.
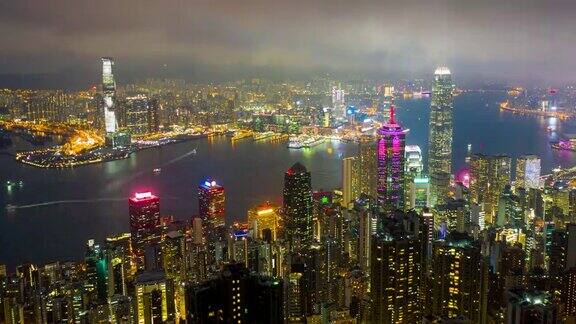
point(391, 146)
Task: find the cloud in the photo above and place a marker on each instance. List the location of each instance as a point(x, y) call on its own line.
point(514, 38)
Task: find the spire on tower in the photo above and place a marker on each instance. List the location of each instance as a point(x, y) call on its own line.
point(392, 120)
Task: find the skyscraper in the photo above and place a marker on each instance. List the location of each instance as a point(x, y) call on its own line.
point(109, 95)
point(263, 219)
point(489, 175)
point(440, 140)
point(350, 180)
point(396, 270)
point(368, 166)
point(528, 172)
point(211, 203)
point(137, 114)
point(154, 298)
point(237, 296)
point(144, 209)
point(298, 205)
point(459, 278)
point(391, 173)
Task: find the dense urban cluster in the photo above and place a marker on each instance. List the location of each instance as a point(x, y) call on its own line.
point(399, 242)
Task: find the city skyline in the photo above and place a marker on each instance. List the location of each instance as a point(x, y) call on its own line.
point(288, 162)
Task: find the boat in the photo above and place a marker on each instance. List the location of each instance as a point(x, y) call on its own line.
point(16, 184)
point(565, 145)
point(11, 208)
point(157, 170)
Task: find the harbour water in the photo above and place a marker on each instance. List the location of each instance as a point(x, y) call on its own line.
point(57, 211)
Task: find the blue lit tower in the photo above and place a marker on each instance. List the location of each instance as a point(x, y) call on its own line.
point(108, 95)
point(391, 173)
point(298, 205)
point(440, 139)
point(211, 203)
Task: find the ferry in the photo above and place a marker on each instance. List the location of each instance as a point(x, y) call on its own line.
point(565, 145)
point(11, 208)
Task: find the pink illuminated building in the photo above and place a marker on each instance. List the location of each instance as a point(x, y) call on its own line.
point(391, 176)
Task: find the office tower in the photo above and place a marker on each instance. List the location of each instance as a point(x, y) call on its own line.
point(144, 209)
point(121, 310)
point(109, 95)
point(338, 102)
point(510, 212)
point(350, 180)
point(96, 282)
point(137, 114)
point(396, 270)
point(237, 296)
point(264, 219)
point(569, 293)
point(418, 193)
point(367, 166)
point(414, 160)
point(154, 298)
point(528, 172)
point(211, 204)
point(295, 304)
point(489, 175)
point(440, 139)
point(391, 173)
point(527, 306)
point(298, 206)
point(572, 206)
point(153, 115)
point(453, 213)
point(121, 263)
point(458, 278)
point(173, 256)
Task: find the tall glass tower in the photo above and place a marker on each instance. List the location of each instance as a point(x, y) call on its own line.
point(108, 95)
point(440, 140)
point(391, 174)
point(298, 206)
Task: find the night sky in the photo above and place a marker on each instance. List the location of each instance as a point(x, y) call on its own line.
point(60, 41)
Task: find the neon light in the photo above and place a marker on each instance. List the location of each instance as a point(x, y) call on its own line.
point(142, 195)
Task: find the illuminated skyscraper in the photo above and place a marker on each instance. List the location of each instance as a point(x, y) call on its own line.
point(528, 172)
point(211, 204)
point(440, 139)
point(298, 206)
point(121, 265)
point(391, 173)
point(109, 95)
point(459, 278)
point(137, 114)
point(145, 228)
point(263, 218)
point(350, 180)
point(396, 270)
point(414, 159)
point(368, 166)
point(154, 298)
point(489, 175)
